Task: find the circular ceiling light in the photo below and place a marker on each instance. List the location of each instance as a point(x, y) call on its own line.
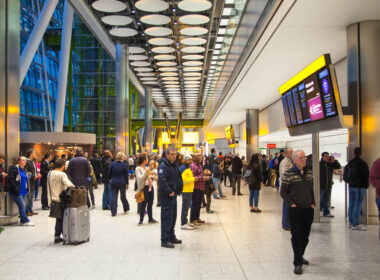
point(117, 20)
point(167, 69)
point(194, 19)
point(173, 90)
point(192, 69)
point(192, 74)
point(193, 49)
point(193, 63)
point(155, 19)
point(140, 63)
point(193, 56)
point(123, 32)
point(109, 6)
point(138, 57)
point(148, 79)
point(158, 31)
point(192, 91)
point(150, 83)
point(166, 63)
point(161, 41)
point(172, 86)
point(145, 74)
point(170, 78)
point(171, 82)
point(194, 5)
point(143, 69)
point(192, 82)
point(169, 74)
point(163, 50)
point(135, 50)
point(192, 78)
point(193, 41)
point(193, 31)
point(152, 5)
point(164, 57)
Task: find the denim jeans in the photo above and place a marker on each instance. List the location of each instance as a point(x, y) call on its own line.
point(217, 184)
point(355, 202)
point(285, 215)
point(186, 202)
point(20, 201)
point(29, 201)
point(107, 196)
point(324, 201)
point(378, 208)
point(254, 194)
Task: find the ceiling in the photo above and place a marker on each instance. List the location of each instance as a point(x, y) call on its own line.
point(309, 29)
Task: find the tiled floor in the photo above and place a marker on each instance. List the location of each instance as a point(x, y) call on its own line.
point(233, 244)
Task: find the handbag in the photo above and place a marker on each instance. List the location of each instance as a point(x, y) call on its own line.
point(56, 210)
point(139, 196)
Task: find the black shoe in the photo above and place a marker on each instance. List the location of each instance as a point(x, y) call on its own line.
point(106, 208)
point(45, 208)
point(176, 241)
point(240, 194)
point(153, 221)
point(305, 262)
point(287, 228)
point(57, 240)
point(158, 204)
point(298, 269)
point(167, 245)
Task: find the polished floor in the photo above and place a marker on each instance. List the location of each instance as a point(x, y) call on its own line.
point(233, 244)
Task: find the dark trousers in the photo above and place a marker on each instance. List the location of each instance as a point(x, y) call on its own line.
point(115, 193)
point(236, 179)
point(147, 203)
point(265, 178)
point(229, 175)
point(208, 202)
point(186, 201)
point(300, 225)
point(58, 227)
point(196, 202)
point(44, 196)
point(168, 217)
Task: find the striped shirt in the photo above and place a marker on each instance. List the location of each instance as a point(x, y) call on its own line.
point(197, 170)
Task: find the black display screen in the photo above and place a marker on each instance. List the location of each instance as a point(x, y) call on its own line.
point(311, 100)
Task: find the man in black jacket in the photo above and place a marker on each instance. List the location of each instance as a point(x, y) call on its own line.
point(97, 166)
point(79, 169)
point(297, 191)
point(32, 174)
point(326, 169)
point(237, 165)
point(44, 170)
point(170, 182)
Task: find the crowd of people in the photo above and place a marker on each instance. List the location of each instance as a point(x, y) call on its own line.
point(196, 178)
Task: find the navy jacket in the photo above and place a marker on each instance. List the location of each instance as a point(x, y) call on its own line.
point(216, 171)
point(169, 178)
point(79, 171)
point(118, 173)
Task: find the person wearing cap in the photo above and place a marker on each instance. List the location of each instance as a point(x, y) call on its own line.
point(187, 192)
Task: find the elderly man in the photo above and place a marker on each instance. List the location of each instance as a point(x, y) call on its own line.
point(297, 191)
point(286, 164)
point(170, 182)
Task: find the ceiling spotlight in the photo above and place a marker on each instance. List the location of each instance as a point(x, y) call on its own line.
point(175, 22)
point(174, 10)
point(142, 34)
point(133, 11)
point(138, 23)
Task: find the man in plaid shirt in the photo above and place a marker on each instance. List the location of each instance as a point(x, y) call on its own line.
point(199, 188)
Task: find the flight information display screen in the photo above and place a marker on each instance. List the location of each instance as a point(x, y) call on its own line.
point(310, 100)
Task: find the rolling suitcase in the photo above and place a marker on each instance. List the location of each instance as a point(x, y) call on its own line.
point(76, 225)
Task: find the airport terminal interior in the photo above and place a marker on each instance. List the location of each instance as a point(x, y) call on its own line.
point(232, 87)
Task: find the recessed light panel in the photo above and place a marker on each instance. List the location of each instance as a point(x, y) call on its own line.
point(167, 69)
point(138, 57)
point(140, 63)
point(123, 32)
point(193, 49)
point(117, 20)
point(143, 69)
point(166, 63)
point(194, 5)
point(164, 57)
point(194, 19)
point(163, 50)
point(193, 56)
point(158, 31)
point(169, 74)
point(152, 5)
point(161, 41)
point(192, 69)
point(155, 19)
point(192, 63)
point(109, 6)
point(193, 31)
point(193, 41)
point(145, 74)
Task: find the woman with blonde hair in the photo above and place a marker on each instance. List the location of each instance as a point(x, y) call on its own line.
point(118, 175)
point(145, 177)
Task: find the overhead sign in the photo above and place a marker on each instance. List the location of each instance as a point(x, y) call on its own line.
point(311, 97)
point(271, 146)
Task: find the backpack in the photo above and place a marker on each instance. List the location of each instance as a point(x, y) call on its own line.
point(350, 173)
point(248, 177)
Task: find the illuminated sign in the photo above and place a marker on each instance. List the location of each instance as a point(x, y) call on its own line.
point(230, 135)
point(190, 138)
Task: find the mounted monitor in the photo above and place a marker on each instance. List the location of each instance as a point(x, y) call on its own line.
point(311, 99)
point(230, 135)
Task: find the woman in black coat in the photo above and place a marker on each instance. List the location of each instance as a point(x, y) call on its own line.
point(254, 181)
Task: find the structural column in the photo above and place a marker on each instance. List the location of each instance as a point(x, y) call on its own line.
point(122, 95)
point(148, 130)
point(64, 60)
point(252, 131)
point(9, 95)
point(363, 44)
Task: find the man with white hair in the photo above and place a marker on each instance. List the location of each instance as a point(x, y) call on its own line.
point(286, 164)
point(297, 191)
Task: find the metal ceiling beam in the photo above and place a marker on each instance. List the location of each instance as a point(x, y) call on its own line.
point(97, 29)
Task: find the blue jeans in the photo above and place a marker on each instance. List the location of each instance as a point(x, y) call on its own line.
point(218, 187)
point(355, 202)
point(107, 196)
point(29, 201)
point(254, 194)
point(285, 215)
point(20, 201)
point(324, 201)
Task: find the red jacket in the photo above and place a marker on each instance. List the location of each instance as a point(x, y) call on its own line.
point(374, 176)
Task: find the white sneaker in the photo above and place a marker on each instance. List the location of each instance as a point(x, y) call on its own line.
point(28, 224)
point(190, 224)
point(187, 227)
point(349, 225)
point(359, 227)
